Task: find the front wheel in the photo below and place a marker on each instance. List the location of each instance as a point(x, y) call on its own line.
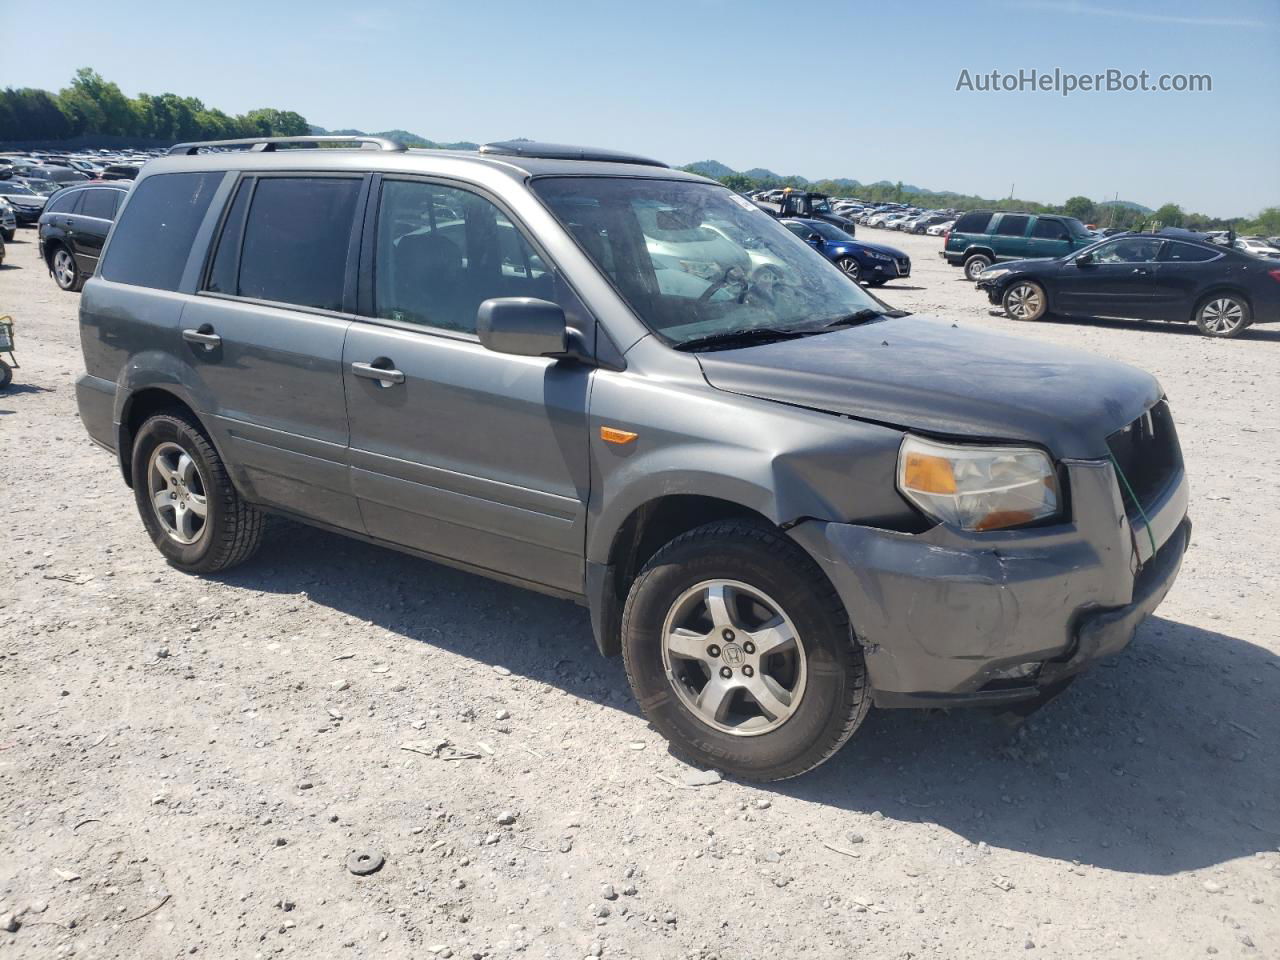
point(975, 264)
point(189, 506)
point(65, 272)
point(1222, 315)
point(9, 235)
point(6, 375)
point(850, 268)
point(740, 653)
point(1025, 300)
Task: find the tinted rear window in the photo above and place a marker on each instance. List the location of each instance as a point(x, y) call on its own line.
point(1012, 225)
point(63, 204)
point(99, 203)
point(295, 240)
point(150, 245)
point(976, 222)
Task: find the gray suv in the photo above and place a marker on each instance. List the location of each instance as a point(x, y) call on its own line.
point(590, 375)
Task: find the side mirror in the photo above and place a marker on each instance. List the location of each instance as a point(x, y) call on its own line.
point(814, 238)
point(523, 326)
point(1084, 259)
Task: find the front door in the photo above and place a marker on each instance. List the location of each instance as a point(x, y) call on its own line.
point(1117, 281)
point(265, 335)
point(456, 451)
point(1050, 239)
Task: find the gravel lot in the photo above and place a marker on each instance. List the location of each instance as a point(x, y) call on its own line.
point(186, 764)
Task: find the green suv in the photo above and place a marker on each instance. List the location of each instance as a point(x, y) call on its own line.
point(980, 238)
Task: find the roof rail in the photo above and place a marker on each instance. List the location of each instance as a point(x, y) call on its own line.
point(560, 151)
point(269, 144)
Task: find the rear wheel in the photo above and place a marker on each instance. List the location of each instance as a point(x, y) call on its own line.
point(186, 499)
point(65, 272)
point(975, 264)
point(1025, 300)
point(740, 653)
point(850, 268)
point(1222, 315)
point(6, 375)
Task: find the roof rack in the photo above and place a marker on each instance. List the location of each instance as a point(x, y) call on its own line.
point(270, 144)
point(561, 151)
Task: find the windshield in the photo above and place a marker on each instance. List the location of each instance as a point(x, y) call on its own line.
point(45, 187)
point(695, 260)
point(1077, 228)
point(828, 231)
point(820, 205)
point(9, 186)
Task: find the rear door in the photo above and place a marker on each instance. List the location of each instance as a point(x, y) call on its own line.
point(1118, 281)
point(265, 337)
point(1049, 238)
point(92, 220)
point(1008, 238)
point(459, 452)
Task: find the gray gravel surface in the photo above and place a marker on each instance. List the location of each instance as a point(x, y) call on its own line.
point(187, 765)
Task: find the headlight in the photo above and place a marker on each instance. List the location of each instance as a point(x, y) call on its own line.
point(977, 488)
point(992, 273)
point(877, 256)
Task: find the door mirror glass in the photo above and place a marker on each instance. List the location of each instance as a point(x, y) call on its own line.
point(1084, 259)
point(815, 238)
point(523, 326)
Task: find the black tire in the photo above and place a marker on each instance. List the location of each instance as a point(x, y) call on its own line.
point(1222, 315)
point(6, 375)
point(9, 235)
point(850, 268)
point(836, 695)
point(232, 529)
point(975, 264)
point(1025, 300)
point(69, 279)
point(876, 283)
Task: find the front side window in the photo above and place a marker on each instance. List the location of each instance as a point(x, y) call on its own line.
point(1128, 250)
point(150, 245)
point(63, 204)
point(440, 252)
point(694, 260)
point(1049, 230)
point(292, 245)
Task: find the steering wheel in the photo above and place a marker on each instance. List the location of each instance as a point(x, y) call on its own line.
point(727, 278)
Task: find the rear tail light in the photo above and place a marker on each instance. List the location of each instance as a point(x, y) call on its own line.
point(1274, 275)
point(946, 235)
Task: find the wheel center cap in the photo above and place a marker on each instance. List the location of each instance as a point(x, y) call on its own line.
point(732, 654)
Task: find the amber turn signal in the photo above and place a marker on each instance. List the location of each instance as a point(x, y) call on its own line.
point(927, 474)
point(614, 435)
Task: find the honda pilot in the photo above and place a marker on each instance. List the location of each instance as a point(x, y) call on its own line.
point(588, 374)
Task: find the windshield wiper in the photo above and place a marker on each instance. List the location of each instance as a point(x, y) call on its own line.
point(850, 319)
point(739, 338)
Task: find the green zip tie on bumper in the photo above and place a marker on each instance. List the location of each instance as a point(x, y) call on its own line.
point(1124, 481)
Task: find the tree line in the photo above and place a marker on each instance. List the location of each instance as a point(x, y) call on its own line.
point(1100, 214)
point(91, 106)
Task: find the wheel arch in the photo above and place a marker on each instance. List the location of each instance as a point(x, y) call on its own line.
point(1215, 290)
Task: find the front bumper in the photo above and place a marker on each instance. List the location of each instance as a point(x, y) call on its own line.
point(27, 216)
point(891, 269)
point(951, 618)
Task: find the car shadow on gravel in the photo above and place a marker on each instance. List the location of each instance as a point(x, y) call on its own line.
point(1160, 760)
point(1173, 329)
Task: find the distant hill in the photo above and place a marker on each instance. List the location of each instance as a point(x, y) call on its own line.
point(404, 136)
point(1126, 204)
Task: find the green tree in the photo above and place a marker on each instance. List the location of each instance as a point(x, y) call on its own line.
point(738, 182)
point(1082, 208)
point(1170, 215)
point(95, 105)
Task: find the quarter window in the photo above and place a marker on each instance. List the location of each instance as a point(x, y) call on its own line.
point(292, 246)
point(1175, 252)
point(1012, 226)
point(440, 252)
point(150, 245)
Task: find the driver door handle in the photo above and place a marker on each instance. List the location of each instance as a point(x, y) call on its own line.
point(387, 375)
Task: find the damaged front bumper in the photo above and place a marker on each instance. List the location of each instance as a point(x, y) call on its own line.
point(950, 618)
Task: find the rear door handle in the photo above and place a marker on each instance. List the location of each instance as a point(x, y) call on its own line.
point(381, 370)
point(204, 336)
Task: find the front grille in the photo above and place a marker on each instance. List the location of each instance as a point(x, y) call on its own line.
point(904, 266)
point(1148, 454)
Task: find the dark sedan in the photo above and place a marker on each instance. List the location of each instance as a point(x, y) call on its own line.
point(1175, 275)
point(27, 202)
point(871, 263)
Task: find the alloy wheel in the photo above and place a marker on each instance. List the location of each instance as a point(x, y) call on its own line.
point(1222, 316)
point(850, 268)
point(64, 268)
point(1024, 302)
point(177, 493)
point(733, 657)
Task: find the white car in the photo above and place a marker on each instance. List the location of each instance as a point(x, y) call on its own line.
point(938, 229)
point(1259, 248)
point(878, 219)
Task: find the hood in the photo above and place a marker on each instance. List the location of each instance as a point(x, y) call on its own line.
point(23, 199)
point(925, 374)
point(875, 248)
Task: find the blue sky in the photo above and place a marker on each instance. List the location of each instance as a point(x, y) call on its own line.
point(868, 91)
